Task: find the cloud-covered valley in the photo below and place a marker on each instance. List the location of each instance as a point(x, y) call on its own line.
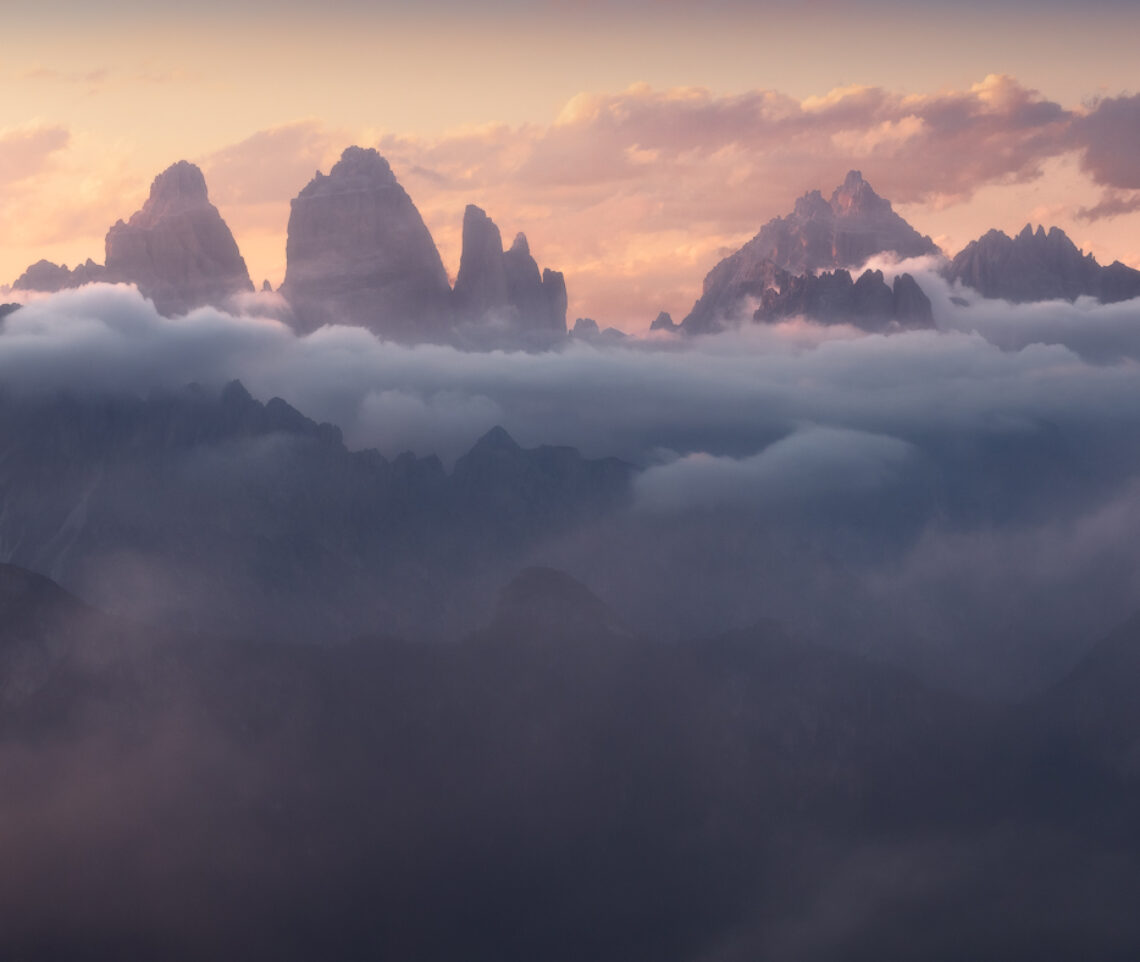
point(960, 499)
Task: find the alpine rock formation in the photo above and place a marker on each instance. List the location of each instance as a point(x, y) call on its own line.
point(48, 278)
point(1039, 266)
point(358, 252)
point(834, 297)
point(819, 235)
point(500, 295)
point(176, 249)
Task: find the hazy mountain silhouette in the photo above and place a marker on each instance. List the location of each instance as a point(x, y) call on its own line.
point(198, 508)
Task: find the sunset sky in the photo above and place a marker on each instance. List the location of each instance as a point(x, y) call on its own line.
point(634, 142)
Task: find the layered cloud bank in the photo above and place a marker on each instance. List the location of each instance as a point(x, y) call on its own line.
point(960, 499)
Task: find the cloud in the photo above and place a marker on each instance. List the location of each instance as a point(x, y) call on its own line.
point(1110, 137)
point(27, 151)
point(271, 164)
point(984, 472)
point(810, 464)
point(1113, 203)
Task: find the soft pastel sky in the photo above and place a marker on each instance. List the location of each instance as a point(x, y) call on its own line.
point(635, 142)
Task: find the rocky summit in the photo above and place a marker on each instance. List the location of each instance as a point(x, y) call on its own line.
point(1039, 265)
point(358, 252)
point(819, 235)
point(500, 295)
point(834, 297)
point(47, 277)
point(177, 248)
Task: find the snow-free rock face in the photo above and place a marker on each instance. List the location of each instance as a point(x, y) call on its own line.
point(1039, 266)
point(500, 296)
point(481, 285)
point(358, 252)
point(833, 297)
point(911, 306)
point(177, 249)
point(48, 277)
point(539, 299)
point(819, 235)
point(664, 322)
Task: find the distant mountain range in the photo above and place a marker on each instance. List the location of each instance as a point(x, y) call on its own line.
point(359, 253)
point(1037, 266)
point(799, 265)
point(249, 518)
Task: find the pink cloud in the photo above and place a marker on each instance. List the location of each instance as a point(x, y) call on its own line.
point(1110, 136)
point(27, 151)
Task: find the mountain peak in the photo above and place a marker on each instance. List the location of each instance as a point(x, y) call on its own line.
point(359, 168)
point(855, 197)
point(497, 439)
point(520, 245)
point(182, 184)
point(176, 248)
point(178, 189)
point(1038, 265)
point(818, 235)
point(362, 162)
point(235, 395)
point(812, 204)
point(358, 252)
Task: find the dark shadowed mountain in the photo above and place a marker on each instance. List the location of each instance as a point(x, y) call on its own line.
point(819, 235)
point(176, 249)
point(220, 511)
point(500, 296)
point(359, 253)
point(832, 297)
point(552, 788)
point(1039, 266)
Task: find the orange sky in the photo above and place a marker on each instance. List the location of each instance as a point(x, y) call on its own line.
point(634, 143)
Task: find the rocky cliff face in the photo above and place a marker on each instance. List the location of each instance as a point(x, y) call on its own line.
point(1039, 266)
point(500, 296)
point(819, 235)
point(177, 249)
point(833, 297)
point(358, 252)
point(481, 285)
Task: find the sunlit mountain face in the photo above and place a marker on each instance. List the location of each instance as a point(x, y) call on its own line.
point(529, 482)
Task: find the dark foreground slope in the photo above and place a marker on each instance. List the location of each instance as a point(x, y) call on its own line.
point(553, 788)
